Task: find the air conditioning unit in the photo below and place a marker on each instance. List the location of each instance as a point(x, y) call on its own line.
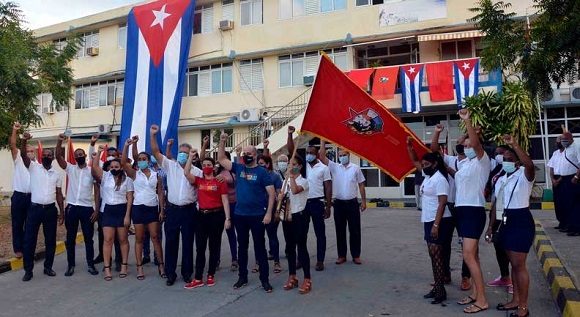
point(250, 115)
point(308, 80)
point(553, 98)
point(104, 128)
point(93, 51)
point(575, 94)
point(226, 25)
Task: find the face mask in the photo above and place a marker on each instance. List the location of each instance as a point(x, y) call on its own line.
point(295, 170)
point(310, 158)
point(248, 159)
point(343, 159)
point(565, 143)
point(282, 166)
point(47, 162)
point(459, 149)
point(115, 172)
point(208, 170)
point(153, 160)
point(31, 156)
point(509, 167)
point(110, 158)
point(429, 171)
point(81, 160)
point(470, 153)
point(142, 165)
point(182, 158)
point(499, 158)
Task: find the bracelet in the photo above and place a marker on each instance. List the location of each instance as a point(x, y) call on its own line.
point(576, 177)
point(435, 225)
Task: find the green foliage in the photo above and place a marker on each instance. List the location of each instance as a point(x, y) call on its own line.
point(27, 69)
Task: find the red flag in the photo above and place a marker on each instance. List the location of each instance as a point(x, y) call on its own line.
point(342, 113)
point(440, 81)
point(104, 154)
point(361, 77)
point(385, 82)
point(70, 156)
point(39, 152)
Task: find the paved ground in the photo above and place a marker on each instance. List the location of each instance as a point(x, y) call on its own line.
point(395, 274)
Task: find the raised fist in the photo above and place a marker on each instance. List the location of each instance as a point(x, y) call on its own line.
point(266, 143)
point(206, 140)
point(291, 129)
point(16, 126)
point(129, 142)
point(135, 138)
point(61, 137)
point(439, 127)
point(170, 142)
point(509, 140)
point(224, 136)
point(464, 114)
point(154, 129)
point(27, 136)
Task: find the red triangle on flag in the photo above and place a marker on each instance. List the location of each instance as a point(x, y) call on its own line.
point(39, 151)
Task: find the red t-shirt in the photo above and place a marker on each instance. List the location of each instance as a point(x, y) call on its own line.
point(210, 192)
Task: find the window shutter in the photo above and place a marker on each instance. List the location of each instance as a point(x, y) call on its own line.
point(204, 84)
point(257, 79)
point(119, 93)
point(246, 12)
point(207, 20)
point(228, 12)
point(311, 65)
point(246, 77)
point(311, 6)
point(257, 12)
point(94, 97)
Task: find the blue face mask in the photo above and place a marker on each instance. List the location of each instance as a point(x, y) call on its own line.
point(343, 159)
point(182, 158)
point(470, 153)
point(310, 158)
point(509, 167)
point(142, 165)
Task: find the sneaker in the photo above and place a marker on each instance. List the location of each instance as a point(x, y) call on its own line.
point(500, 282)
point(510, 289)
point(194, 284)
point(240, 283)
point(210, 281)
point(465, 283)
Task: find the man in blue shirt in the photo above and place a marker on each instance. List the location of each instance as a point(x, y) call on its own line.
point(255, 196)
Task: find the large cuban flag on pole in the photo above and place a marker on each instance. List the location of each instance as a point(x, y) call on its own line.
point(158, 40)
point(411, 80)
point(466, 79)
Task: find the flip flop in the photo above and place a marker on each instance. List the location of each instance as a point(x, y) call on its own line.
point(502, 307)
point(468, 310)
point(466, 301)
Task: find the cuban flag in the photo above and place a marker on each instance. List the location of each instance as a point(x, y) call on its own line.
point(466, 79)
point(411, 78)
point(158, 40)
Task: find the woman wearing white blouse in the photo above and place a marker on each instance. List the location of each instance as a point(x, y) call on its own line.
point(146, 213)
point(517, 230)
point(116, 217)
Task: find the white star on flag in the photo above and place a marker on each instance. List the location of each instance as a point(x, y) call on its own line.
point(465, 66)
point(412, 70)
point(383, 79)
point(160, 16)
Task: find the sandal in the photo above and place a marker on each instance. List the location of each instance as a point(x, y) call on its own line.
point(140, 277)
point(123, 275)
point(291, 283)
point(503, 307)
point(108, 277)
point(161, 272)
point(277, 267)
point(466, 301)
point(470, 309)
point(306, 286)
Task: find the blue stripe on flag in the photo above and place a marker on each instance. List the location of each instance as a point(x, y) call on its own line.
point(154, 100)
point(130, 78)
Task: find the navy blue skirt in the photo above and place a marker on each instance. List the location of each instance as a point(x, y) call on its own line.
point(114, 216)
point(446, 227)
point(144, 215)
point(518, 232)
point(471, 221)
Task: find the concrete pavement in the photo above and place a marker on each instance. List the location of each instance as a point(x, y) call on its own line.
point(395, 274)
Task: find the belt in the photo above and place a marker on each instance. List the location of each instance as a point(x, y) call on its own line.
point(346, 200)
point(208, 211)
point(21, 193)
point(179, 207)
point(321, 199)
point(42, 206)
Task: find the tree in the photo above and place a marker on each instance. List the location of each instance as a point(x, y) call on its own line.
point(28, 69)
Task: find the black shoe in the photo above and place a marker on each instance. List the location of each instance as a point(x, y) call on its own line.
point(27, 276)
point(439, 299)
point(170, 281)
point(267, 287)
point(270, 257)
point(563, 230)
point(92, 270)
point(187, 279)
point(98, 259)
point(49, 272)
point(70, 271)
point(241, 283)
point(431, 294)
point(557, 227)
point(319, 266)
point(146, 260)
point(573, 234)
point(118, 267)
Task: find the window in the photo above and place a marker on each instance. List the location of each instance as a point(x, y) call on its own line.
point(252, 77)
point(292, 68)
point(203, 19)
point(368, 2)
point(59, 44)
point(208, 80)
point(456, 49)
point(251, 12)
point(122, 37)
point(45, 103)
point(228, 10)
point(100, 94)
point(88, 40)
point(332, 5)
point(291, 8)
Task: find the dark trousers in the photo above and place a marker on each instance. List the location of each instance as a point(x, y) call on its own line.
point(231, 233)
point(245, 225)
point(208, 230)
point(500, 253)
point(296, 236)
point(47, 217)
point(573, 211)
point(20, 202)
point(567, 201)
point(179, 220)
point(315, 210)
point(347, 212)
point(559, 205)
point(73, 215)
point(447, 248)
point(273, 242)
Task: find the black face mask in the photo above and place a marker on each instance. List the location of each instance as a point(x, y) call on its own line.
point(81, 160)
point(459, 149)
point(47, 162)
point(248, 159)
point(559, 145)
point(429, 171)
point(115, 172)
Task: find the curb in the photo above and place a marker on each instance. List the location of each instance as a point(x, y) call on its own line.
point(14, 264)
point(400, 204)
point(564, 292)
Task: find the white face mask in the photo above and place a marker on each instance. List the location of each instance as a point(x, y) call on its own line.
point(470, 153)
point(499, 158)
point(282, 166)
point(110, 158)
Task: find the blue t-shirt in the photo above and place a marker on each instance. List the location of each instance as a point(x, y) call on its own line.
point(251, 194)
point(276, 180)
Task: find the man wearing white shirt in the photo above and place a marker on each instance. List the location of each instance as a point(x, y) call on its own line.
point(181, 210)
point(79, 205)
point(348, 181)
point(554, 164)
point(45, 189)
point(570, 172)
point(20, 201)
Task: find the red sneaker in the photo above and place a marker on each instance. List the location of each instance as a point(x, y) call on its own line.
point(193, 284)
point(210, 281)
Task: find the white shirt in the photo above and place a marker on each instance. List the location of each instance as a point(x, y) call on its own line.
point(80, 186)
point(455, 164)
point(570, 154)
point(521, 190)
point(345, 180)
point(21, 180)
point(179, 191)
point(554, 161)
point(43, 184)
point(431, 188)
point(470, 182)
point(114, 196)
point(145, 189)
point(298, 201)
point(317, 175)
